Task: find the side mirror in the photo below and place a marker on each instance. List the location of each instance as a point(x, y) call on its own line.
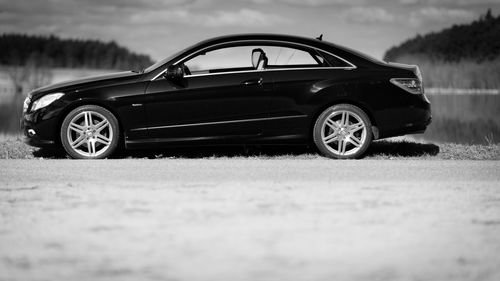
point(256, 57)
point(259, 59)
point(174, 73)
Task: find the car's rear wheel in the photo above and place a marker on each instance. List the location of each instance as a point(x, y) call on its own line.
point(343, 131)
point(90, 132)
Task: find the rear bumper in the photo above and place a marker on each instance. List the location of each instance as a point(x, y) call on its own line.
point(410, 128)
point(413, 119)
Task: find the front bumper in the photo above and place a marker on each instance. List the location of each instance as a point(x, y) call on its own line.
point(40, 129)
point(37, 142)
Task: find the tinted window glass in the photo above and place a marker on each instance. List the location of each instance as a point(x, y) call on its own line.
point(240, 58)
point(284, 56)
point(335, 61)
point(226, 58)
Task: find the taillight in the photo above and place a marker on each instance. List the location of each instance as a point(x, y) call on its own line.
point(411, 85)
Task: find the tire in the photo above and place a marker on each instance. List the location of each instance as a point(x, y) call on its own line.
point(343, 131)
point(90, 132)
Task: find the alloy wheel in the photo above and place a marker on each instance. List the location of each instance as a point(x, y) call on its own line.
point(343, 133)
point(89, 134)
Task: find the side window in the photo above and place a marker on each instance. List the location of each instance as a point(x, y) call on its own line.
point(239, 58)
point(221, 60)
point(335, 61)
point(288, 57)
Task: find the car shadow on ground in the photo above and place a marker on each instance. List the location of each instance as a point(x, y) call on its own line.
point(383, 149)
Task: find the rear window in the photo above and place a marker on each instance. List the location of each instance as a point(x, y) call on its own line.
point(335, 61)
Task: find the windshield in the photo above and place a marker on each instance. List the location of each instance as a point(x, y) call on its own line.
point(160, 63)
point(163, 61)
point(169, 58)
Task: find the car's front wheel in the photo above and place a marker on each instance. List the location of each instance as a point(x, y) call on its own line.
point(343, 131)
point(90, 132)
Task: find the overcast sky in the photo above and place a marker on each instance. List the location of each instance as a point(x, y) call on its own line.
point(160, 27)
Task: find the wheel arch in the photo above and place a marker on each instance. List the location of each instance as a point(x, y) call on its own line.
point(322, 108)
point(83, 102)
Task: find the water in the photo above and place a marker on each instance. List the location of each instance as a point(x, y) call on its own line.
point(467, 119)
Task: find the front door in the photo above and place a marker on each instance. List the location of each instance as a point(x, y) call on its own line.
point(219, 106)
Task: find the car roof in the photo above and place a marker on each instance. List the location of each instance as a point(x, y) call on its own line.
point(264, 37)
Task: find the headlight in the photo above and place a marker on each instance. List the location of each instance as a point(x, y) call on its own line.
point(45, 100)
point(26, 103)
point(411, 85)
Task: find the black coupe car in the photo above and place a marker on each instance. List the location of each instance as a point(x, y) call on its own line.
point(239, 89)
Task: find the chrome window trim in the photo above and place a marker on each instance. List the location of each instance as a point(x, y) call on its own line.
point(264, 70)
point(219, 122)
point(352, 66)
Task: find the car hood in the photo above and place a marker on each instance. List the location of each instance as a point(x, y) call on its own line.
point(86, 82)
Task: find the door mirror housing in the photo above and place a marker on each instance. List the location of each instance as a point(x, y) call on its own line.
point(174, 73)
point(256, 57)
point(259, 59)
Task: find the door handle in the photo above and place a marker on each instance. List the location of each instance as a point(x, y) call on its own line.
point(253, 82)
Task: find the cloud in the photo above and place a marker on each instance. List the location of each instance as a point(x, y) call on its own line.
point(409, 2)
point(150, 25)
point(52, 7)
point(433, 15)
point(125, 4)
point(448, 2)
point(312, 3)
point(367, 15)
point(242, 17)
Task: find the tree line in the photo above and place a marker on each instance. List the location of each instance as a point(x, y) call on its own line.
point(477, 41)
point(52, 51)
